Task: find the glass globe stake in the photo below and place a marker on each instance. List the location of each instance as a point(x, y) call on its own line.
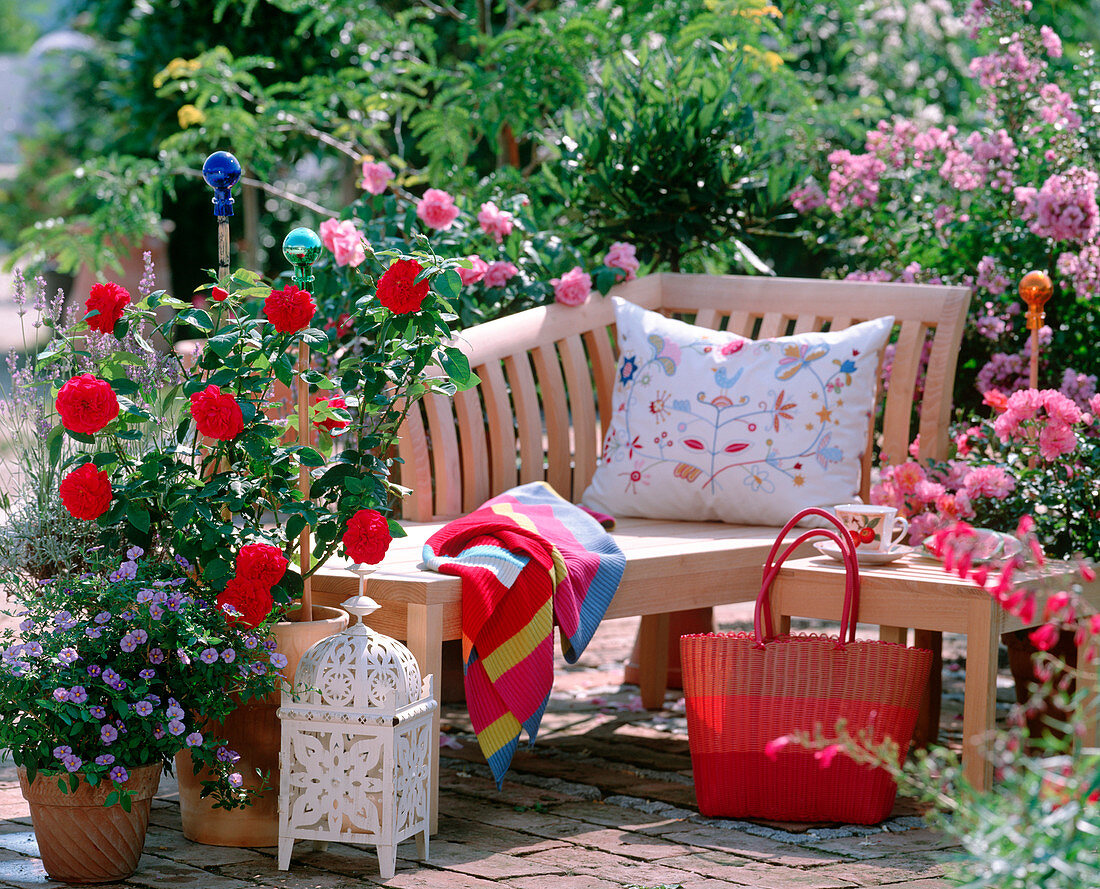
point(222, 171)
point(302, 248)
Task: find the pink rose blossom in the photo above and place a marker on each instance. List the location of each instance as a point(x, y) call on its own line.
point(988, 481)
point(437, 209)
point(475, 273)
point(623, 256)
point(376, 177)
point(572, 288)
point(344, 240)
point(494, 221)
point(499, 273)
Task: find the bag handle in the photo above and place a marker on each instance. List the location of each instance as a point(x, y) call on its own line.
point(762, 621)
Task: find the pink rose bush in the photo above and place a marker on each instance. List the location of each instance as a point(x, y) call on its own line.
point(437, 209)
point(494, 221)
point(376, 177)
point(623, 256)
point(572, 288)
point(1039, 447)
point(344, 240)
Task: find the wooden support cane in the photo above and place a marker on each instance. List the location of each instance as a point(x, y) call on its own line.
point(221, 170)
point(301, 248)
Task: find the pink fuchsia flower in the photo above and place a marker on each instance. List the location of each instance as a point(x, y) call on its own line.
point(477, 270)
point(772, 748)
point(1045, 637)
point(494, 221)
point(499, 273)
point(437, 209)
point(376, 177)
point(808, 197)
point(988, 481)
point(344, 240)
point(826, 755)
point(572, 288)
point(623, 256)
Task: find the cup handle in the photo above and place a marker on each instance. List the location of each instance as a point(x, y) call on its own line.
point(901, 524)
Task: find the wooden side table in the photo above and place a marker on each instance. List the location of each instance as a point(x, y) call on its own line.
point(916, 592)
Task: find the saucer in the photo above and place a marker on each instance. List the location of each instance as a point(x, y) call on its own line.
point(864, 556)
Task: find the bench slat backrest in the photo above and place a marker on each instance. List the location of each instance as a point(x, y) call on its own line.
point(544, 401)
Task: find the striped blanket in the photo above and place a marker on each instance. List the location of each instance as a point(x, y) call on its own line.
point(527, 559)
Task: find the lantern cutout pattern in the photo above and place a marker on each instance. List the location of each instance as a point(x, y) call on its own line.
point(356, 743)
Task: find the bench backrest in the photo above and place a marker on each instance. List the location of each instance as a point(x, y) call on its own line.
point(544, 401)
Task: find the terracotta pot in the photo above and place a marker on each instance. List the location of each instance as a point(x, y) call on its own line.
point(80, 840)
point(253, 731)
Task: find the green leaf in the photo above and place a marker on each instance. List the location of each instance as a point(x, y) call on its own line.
point(314, 337)
point(448, 285)
point(310, 457)
point(138, 517)
point(457, 366)
point(80, 436)
point(126, 800)
point(53, 442)
point(395, 529)
point(294, 526)
point(284, 369)
point(197, 318)
point(223, 343)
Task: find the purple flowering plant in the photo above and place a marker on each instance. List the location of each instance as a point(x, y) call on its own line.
point(1008, 187)
point(112, 669)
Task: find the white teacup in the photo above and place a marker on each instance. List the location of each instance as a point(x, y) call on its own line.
point(873, 528)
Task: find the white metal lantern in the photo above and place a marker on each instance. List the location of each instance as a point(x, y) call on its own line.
point(356, 743)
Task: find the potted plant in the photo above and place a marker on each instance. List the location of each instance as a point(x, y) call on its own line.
point(108, 676)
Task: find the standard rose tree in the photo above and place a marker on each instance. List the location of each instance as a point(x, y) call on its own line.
point(203, 471)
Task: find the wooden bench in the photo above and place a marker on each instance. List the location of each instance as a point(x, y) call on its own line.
point(542, 408)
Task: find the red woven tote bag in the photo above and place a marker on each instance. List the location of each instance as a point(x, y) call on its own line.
point(742, 690)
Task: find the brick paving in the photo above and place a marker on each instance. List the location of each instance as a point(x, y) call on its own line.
point(604, 800)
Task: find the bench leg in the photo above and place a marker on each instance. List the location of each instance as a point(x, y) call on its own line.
point(425, 640)
point(928, 719)
point(653, 661)
point(979, 693)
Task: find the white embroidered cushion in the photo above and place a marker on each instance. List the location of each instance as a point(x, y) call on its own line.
point(709, 425)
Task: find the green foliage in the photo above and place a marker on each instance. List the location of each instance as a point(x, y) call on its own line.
point(669, 159)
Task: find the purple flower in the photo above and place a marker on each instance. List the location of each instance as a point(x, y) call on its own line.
point(229, 655)
point(126, 571)
point(72, 763)
point(97, 711)
point(193, 739)
point(250, 642)
point(176, 727)
point(147, 673)
point(173, 603)
point(209, 655)
point(183, 563)
point(184, 657)
point(26, 624)
point(61, 695)
point(174, 711)
point(224, 754)
point(160, 596)
point(93, 632)
point(62, 752)
point(68, 655)
point(235, 779)
point(108, 734)
point(128, 643)
point(64, 620)
point(159, 732)
point(140, 636)
point(94, 670)
point(104, 759)
point(128, 614)
point(270, 644)
point(119, 775)
point(113, 679)
point(134, 553)
point(156, 656)
point(103, 617)
point(143, 708)
point(153, 699)
point(156, 612)
point(77, 694)
point(144, 596)
point(258, 667)
point(278, 660)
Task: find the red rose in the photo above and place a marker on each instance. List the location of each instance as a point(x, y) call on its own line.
point(218, 294)
point(261, 562)
point(217, 414)
point(367, 537)
point(86, 492)
point(334, 426)
point(108, 300)
point(86, 404)
point(289, 309)
point(249, 597)
point(396, 290)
